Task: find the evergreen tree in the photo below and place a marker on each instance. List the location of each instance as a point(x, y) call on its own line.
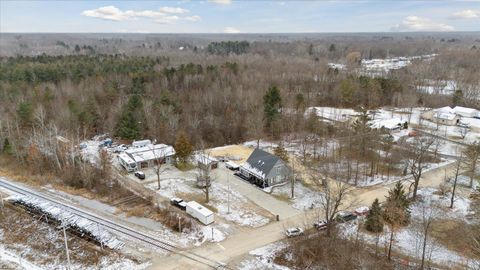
point(362, 128)
point(374, 222)
point(272, 103)
point(183, 147)
point(24, 112)
point(7, 147)
point(397, 206)
point(280, 152)
point(127, 127)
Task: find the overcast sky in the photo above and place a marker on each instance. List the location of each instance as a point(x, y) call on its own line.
point(238, 16)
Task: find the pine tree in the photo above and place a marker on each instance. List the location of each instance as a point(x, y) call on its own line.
point(374, 222)
point(24, 112)
point(272, 102)
point(7, 147)
point(183, 148)
point(127, 126)
point(397, 205)
point(280, 152)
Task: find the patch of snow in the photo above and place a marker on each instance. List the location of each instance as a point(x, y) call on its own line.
point(264, 258)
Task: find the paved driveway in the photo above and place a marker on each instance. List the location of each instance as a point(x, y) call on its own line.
point(255, 194)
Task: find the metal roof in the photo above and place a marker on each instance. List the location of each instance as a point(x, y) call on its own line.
point(262, 161)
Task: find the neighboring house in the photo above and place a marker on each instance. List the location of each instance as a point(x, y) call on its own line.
point(393, 124)
point(206, 161)
point(265, 169)
point(444, 116)
point(148, 154)
point(465, 112)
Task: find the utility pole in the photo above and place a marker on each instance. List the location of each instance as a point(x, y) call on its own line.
point(66, 247)
point(228, 195)
point(293, 179)
point(3, 205)
point(179, 224)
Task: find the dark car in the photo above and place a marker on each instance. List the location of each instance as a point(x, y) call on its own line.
point(178, 203)
point(345, 216)
point(140, 175)
point(320, 225)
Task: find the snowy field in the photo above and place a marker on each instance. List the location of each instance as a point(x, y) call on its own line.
point(409, 240)
point(305, 198)
point(262, 258)
point(221, 197)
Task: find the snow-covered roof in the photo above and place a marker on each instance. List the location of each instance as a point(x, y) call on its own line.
point(205, 159)
point(445, 115)
point(126, 158)
point(445, 109)
point(258, 173)
point(141, 143)
point(200, 208)
point(336, 114)
point(464, 110)
point(150, 152)
point(387, 123)
point(232, 164)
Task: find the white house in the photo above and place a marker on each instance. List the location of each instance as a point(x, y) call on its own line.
point(392, 124)
point(150, 154)
point(465, 112)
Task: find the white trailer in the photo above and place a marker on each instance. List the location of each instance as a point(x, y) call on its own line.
point(127, 162)
point(201, 213)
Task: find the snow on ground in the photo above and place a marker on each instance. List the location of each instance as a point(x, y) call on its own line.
point(461, 206)
point(409, 239)
point(305, 198)
point(220, 198)
point(261, 144)
point(264, 258)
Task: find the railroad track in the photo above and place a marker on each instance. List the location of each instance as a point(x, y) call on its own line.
point(116, 227)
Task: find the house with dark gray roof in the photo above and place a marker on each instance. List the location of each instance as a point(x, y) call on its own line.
point(265, 169)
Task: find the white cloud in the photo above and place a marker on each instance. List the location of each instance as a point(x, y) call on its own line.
point(106, 13)
point(163, 15)
point(466, 14)
point(175, 10)
point(231, 30)
point(167, 19)
point(418, 24)
point(221, 2)
point(194, 18)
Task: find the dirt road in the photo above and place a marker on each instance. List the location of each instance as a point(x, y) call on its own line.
point(243, 242)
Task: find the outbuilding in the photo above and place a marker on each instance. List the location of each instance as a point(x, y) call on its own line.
point(147, 155)
point(206, 161)
point(465, 112)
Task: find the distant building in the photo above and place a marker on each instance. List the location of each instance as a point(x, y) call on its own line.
point(265, 169)
point(465, 112)
point(146, 154)
point(393, 124)
point(444, 116)
point(206, 161)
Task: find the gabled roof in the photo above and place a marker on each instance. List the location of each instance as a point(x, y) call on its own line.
point(262, 162)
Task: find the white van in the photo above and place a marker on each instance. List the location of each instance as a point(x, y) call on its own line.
point(127, 162)
point(201, 213)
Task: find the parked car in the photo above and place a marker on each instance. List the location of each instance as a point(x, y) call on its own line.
point(361, 211)
point(320, 225)
point(140, 175)
point(292, 232)
point(345, 216)
point(120, 148)
point(178, 203)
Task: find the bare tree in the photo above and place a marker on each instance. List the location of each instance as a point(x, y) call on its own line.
point(335, 194)
point(472, 157)
point(463, 131)
point(418, 152)
point(428, 217)
point(457, 171)
point(204, 175)
point(159, 160)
